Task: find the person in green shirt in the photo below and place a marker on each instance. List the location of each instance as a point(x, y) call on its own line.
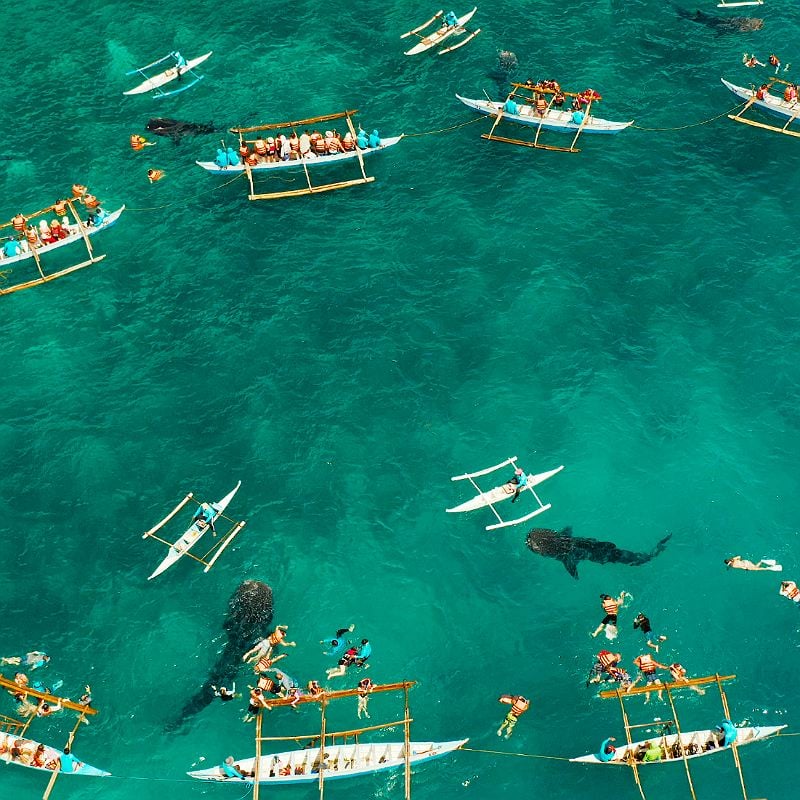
point(653, 752)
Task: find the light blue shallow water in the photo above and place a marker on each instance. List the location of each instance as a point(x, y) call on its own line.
point(630, 312)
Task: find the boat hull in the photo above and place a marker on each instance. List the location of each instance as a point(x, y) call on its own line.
point(75, 236)
point(168, 75)
point(341, 761)
point(8, 740)
point(440, 34)
point(771, 104)
point(310, 163)
point(193, 534)
point(698, 738)
point(500, 493)
point(553, 120)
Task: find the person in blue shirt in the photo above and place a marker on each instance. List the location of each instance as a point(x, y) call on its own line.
point(68, 762)
point(520, 481)
point(374, 139)
point(180, 64)
point(607, 750)
point(728, 731)
point(204, 517)
point(338, 643)
point(361, 139)
point(363, 653)
point(450, 19)
point(230, 770)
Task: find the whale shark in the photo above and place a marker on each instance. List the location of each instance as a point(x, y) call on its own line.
point(571, 550)
point(248, 619)
point(175, 129)
point(722, 24)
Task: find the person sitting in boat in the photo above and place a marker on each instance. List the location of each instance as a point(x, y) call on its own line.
point(641, 622)
point(204, 517)
point(286, 150)
point(789, 589)
point(22, 752)
point(727, 733)
point(362, 140)
point(652, 752)
point(751, 61)
point(96, 218)
point(790, 93)
point(180, 65)
point(374, 139)
point(233, 157)
point(39, 757)
point(348, 142)
point(12, 248)
point(58, 230)
point(510, 107)
point(519, 705)
point(305, 144)
point(450, 19)
point(230, 769)
point(221, 159)
point(607, 750)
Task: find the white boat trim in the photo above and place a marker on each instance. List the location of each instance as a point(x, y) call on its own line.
point(168, 75)
point(440, 34)
point(76, 235)
point(192, 535)
point(553, 119)
point(389, 141)
point(744, 736)
point(51, 754)
point(341, 761)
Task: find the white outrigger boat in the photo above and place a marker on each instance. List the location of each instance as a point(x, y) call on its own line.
point(451, 25)
point(202, 522)
point(310, 162)
point(339, 761)
point(772, 104)
point(77, 231)
point(53, 759)
point(153, 83)
point(505, 491)
point(689, 744)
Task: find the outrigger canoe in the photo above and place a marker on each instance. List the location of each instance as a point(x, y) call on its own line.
point(75, 235)
point(695, 745)
point(52, 758)
point(181, 547)
point(168, 75)
point(772, 103)
point(211, 166)
point(553, 119)
point(440, 34)
point(340, 761)
point(503, 492)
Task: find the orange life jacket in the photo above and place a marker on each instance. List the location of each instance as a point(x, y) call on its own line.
point(520, 706)
point(60, 208)
point(261, 147)
point(31, 235)
point(137, 142)
point(19, 223)
point(78, 190)
point(610, 606)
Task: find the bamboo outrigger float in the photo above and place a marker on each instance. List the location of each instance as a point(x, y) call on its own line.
point(328, 755)
point(74, 232)
point(304, 163)
point(13, 737)
point(681, 745)
point(203, 521)
point(771, 104)
point(521, 108)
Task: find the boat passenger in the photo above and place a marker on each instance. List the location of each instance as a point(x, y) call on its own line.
point(10, 249)
point(611, 607)
point(519, 705)
point(272, 152)
point(761, 94)
point(450, 19)
point(19, 223)
point(607, 750)
point(204, 517)
point(38, 757)
point(294, 146)
point(647, 669)
point(652, 752)
point(230, 769)
point(653, 639)
point(59, 231)
point(728, 732)
point(790, 93)
point(221, 159)
point(233, 157)
point(285, 148)
point(260, 148)
point(305, 144)
point(21, 752)
point(789, 589)
point(365, 686)
point(320, 144)
point(244, 151)
point(333, 143)
point(374, 139)
point(348, 143)
point(737, 562)
point(541, 105)
point(510, 107)
point(578, 117)
point(361, 139)
point(252, 160)
point(32, 236)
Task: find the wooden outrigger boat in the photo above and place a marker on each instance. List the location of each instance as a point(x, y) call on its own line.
point(76, 231)
point(16, 748)
point(771, 104)
point(331, 755)
point(679, 746)
point(153, 83)
point(302, 163)
point(505, 491)
point(520, 107)
point(451, 26)
point(694, 744)
point(202, 522)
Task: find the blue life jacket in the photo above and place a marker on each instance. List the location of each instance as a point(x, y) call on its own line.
point(374, 139)
point(233, 157)
point(510, 107)
point(577, 117)
point(221, 160)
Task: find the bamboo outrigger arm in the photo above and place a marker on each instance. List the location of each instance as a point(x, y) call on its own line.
point(294, 123)
point(326, 696)
point(14, 688)
point(659, 687)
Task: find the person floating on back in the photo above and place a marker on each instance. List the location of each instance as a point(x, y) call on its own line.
point(737, 562)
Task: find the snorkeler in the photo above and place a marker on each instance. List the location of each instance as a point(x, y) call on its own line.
point(519, 705)
point(737, 562)
point(611, 606)
point(337, 643)
point(653, 639)
point(789, 589)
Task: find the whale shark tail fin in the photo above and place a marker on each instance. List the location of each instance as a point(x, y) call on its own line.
point(659, 548)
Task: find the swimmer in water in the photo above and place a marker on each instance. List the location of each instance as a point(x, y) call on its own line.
point(519, 705)
point(611, 606)
point(737, 562)
point(653, 639)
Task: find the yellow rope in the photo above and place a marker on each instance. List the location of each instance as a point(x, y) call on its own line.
point(693, 124)
point(520, 755)
point(444, 130)
point(175, 202)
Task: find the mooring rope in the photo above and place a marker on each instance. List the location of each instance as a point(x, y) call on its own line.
point(519, 755)
point(693, 124)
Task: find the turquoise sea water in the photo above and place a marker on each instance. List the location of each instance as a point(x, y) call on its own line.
point(630, 312)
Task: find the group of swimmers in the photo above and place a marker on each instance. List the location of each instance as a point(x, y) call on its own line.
point(788, 589)
point(750, 60)
point(275, 149)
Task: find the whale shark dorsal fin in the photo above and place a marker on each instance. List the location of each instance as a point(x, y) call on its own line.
point(570, 564)
point(567, 532)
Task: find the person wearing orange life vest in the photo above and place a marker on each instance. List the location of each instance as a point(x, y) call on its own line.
point(611, 606)
point(763, 92)
point(519, 705)
point(605, 663)
point(541, 105)
point(751, 61)
point(647, 669)
point(789, 589)
point(790, 93)
point(774, 61)
point(19, 223)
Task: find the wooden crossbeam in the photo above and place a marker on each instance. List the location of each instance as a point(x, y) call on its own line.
point(294, 123)
point(345, 734)
point(542, 90)
point(761, 125)
point(660, 687)
point(13, 688)
point(325, 696)
point(326, 187)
